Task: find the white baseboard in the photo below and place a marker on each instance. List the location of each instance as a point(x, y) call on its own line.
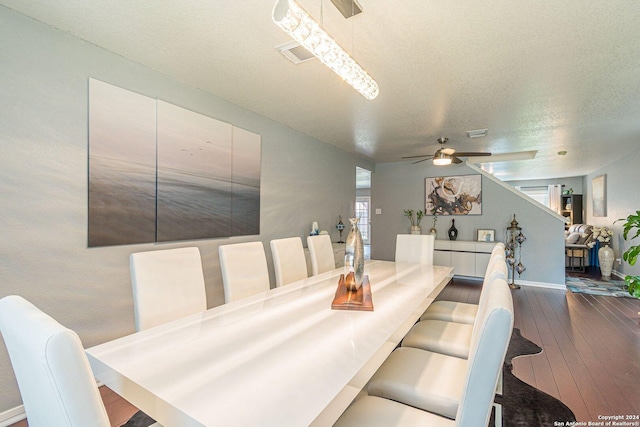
point(618, 274)
point(12, 416)
point(559, 286)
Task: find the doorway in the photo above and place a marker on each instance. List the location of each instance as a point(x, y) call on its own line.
point(363, 206)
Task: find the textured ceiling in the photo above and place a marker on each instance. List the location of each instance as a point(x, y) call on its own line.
point(540, 75)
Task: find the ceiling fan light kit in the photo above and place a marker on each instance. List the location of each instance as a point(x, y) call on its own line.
point(445, 156)
point(441, 159)
point(289, 16)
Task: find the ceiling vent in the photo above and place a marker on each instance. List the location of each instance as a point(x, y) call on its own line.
point(347, 8)
point(478, 133)
point(295, 53)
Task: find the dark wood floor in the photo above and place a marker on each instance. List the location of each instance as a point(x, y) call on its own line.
point(591, 350)
point(591, 347)
point(118, 409)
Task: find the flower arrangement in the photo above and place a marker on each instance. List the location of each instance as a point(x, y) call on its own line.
point(602, 235)
point(409, 214)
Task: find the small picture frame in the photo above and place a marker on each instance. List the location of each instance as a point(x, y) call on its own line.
point(486, 235)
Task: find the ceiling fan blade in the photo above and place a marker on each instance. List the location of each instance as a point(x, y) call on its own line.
point(415, 157)
point(505, 157)
point(471, 154)
point(455, 159)
point(423, 160)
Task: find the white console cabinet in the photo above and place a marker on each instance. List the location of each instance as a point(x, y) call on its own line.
point(466, 257)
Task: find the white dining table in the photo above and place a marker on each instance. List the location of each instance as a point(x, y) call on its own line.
point(280, 358)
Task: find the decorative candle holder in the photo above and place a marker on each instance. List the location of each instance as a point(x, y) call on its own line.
point(513, 253)
point(340, 227)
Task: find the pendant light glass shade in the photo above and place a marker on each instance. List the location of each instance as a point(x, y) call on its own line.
point(289, 16)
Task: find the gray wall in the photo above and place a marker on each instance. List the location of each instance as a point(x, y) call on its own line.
point(43, 182)
point(623, 198)
point(399, 186)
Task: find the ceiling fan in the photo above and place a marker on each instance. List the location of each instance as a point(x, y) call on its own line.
point(446, 156)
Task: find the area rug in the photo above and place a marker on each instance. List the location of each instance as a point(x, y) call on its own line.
point(608, 288)
point(140, 419)
point(522, 404)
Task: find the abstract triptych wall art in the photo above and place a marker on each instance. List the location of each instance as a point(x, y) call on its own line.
point(159, 172)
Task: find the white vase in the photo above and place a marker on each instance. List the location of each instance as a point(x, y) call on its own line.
point(606, 257)
point(415, 229)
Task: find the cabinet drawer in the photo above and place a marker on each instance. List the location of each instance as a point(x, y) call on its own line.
point(442, 258)
point(463, 263)
point(485, 247)
point(463, 246)
point(482, 262)
point(442, 245)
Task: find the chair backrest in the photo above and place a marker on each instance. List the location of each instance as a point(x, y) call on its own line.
point(497, 265)
point(498, 250)
point(288, 260)
point(321, 254)
point(53, 373)
point(415, 248)
point(497, 269)
point(244, 270)
point(167, 284)
point(489, 342)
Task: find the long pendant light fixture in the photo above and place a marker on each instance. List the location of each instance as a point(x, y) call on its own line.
point(289, 16)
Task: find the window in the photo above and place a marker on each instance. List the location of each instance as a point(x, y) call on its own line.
point(539, 194)
point(362, 212)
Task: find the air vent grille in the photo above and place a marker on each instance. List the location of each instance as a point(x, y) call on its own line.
point(348, 8)
point(295, 53)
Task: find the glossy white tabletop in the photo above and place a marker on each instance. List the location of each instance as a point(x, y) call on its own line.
point(280, 358)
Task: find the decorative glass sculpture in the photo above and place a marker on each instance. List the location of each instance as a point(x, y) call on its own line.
point(354, 256)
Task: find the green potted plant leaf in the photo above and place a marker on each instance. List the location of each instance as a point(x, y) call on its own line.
point(415, 223)
point(632, 253)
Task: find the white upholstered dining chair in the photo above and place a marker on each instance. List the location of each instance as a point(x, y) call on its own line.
point(373, 411)
point(288, 260)
point(439, 383)
point(446, 337)
point(418, 387)
point(321, 254)
point(167, 284)
point(53, 373)
point(415, 248)
point(461, 312)
point(244, 270)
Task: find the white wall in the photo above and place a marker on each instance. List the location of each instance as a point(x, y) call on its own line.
point(623, 199)
point(43, 182)
point(398, 186)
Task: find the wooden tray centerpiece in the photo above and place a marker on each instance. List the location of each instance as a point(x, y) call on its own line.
point(345, 299)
